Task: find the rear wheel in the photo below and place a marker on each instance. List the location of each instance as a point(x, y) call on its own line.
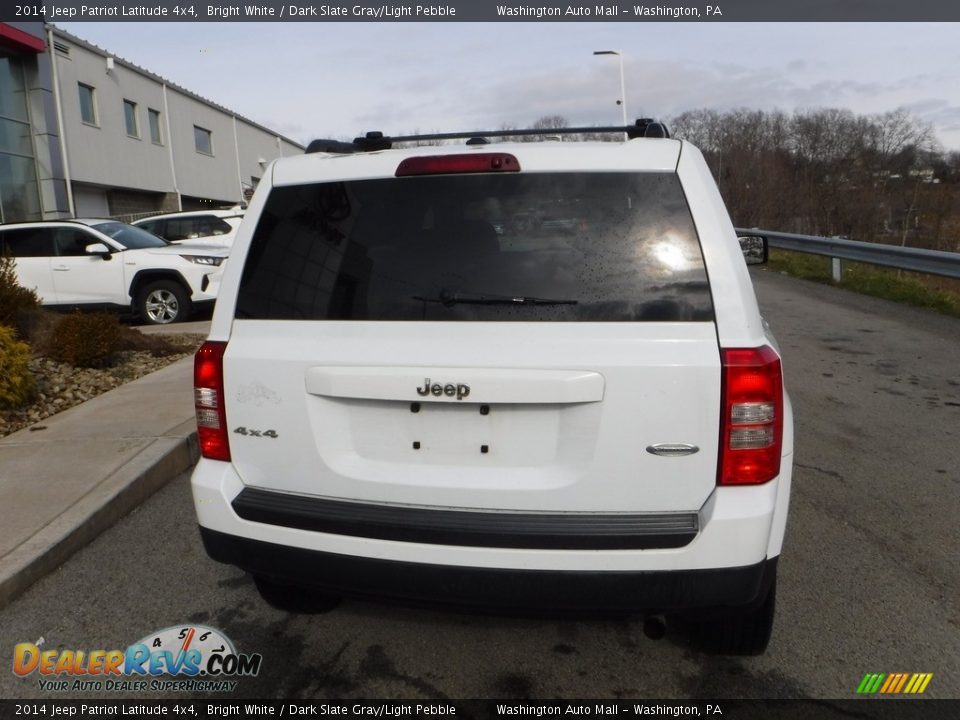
point(163, 302)
point(743, 633)
point(294, 598)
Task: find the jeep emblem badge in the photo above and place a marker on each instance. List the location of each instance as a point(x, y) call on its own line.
point(461, 390)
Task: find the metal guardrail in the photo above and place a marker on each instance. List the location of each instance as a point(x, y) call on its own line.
point(935, 262)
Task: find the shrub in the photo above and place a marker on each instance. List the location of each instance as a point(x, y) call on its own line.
point(14, 298)
point(81, 340)
point(17, 386)
point(35, 325)
point(156, 345)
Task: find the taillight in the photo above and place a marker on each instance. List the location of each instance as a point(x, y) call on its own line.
point(208, 400)
point(751, 425)
point(458, 164)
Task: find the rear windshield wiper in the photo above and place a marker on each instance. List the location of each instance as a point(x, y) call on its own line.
point(450, 298)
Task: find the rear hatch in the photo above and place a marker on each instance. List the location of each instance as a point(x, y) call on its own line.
point(501, 340)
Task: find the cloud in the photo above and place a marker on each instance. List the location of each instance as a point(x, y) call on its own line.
point(938, 112)
point(339, 79)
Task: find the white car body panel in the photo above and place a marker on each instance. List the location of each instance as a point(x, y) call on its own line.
point(89, 279)
point(548, 449)
point(35, 273)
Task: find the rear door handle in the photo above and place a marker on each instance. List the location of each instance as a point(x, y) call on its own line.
point(61, 268)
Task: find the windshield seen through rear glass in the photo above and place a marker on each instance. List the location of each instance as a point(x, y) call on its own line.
point(595, 247)
point(132, 238)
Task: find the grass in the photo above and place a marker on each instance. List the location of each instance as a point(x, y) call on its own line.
point(915, 289)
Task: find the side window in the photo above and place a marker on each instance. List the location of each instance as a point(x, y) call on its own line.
point(29, 242)
point(204, 225)
point(88, 104)
point(203, 140)
point(216, 226)
point(155, 136)
point(130, 118)
point(152, 226)
point(178, 229)
point(71, 242)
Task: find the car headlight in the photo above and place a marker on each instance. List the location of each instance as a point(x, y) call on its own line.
point(203, 259)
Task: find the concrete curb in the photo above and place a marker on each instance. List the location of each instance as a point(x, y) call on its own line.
point(99, 509)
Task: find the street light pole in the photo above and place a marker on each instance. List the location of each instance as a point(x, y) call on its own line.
point(623, 92)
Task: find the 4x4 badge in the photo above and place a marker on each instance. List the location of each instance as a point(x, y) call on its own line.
point(256, 433)
point(461, 390)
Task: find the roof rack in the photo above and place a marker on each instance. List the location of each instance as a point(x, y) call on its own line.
point(644, 127)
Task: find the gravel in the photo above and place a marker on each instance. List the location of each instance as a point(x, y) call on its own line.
point(61, 386)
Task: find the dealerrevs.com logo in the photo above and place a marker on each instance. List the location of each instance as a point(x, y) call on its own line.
point(185, 658)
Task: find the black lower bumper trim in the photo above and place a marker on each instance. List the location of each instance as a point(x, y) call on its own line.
point(544, 531)
point(634, 591)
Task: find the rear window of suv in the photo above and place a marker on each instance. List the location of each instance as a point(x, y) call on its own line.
point(587, 247)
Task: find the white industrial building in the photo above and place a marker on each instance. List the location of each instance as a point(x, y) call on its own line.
point(108, 138)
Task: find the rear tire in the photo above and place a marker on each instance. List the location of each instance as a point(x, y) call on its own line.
point(294, 599)
point(163, 302)
point(746, 632)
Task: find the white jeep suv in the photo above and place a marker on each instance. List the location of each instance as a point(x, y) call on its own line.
point(499, 375)
point(105, 264)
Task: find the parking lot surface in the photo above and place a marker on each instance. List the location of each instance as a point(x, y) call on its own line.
point(868, 582)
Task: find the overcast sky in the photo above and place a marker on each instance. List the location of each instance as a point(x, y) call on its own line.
point(308, 80)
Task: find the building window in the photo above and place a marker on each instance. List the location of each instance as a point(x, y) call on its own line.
point(155, 136)
point(88, 104)
point(203, 139)
point(130, 117)
point(19, 190)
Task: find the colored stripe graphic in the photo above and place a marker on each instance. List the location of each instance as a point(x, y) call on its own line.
point(870, 683)
point(918, 683)
point(894, 683)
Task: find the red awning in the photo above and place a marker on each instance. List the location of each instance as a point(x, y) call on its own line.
point(15, 39)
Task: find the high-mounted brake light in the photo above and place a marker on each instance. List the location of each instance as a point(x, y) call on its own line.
point(208, 398)
point(751, 425)
point(458, 164)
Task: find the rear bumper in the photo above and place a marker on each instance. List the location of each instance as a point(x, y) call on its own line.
point(736, 527)
point(499, 588)
point(543, 531)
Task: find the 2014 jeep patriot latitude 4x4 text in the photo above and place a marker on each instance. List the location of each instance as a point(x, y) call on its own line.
point(498, 374)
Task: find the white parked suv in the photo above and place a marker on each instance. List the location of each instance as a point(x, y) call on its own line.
point(108, 265)
point(500, 375)
point(216, 228)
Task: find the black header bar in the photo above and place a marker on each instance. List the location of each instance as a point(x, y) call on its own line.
point(639, 11)
point(226, 706)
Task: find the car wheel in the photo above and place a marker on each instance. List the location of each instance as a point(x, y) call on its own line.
point(294, 598)
point(743, 633)
point(163, 302)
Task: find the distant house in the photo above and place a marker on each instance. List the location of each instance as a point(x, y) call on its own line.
point(86, 133)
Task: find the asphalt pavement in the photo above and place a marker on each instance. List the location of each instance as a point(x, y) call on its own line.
point(868, 579)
